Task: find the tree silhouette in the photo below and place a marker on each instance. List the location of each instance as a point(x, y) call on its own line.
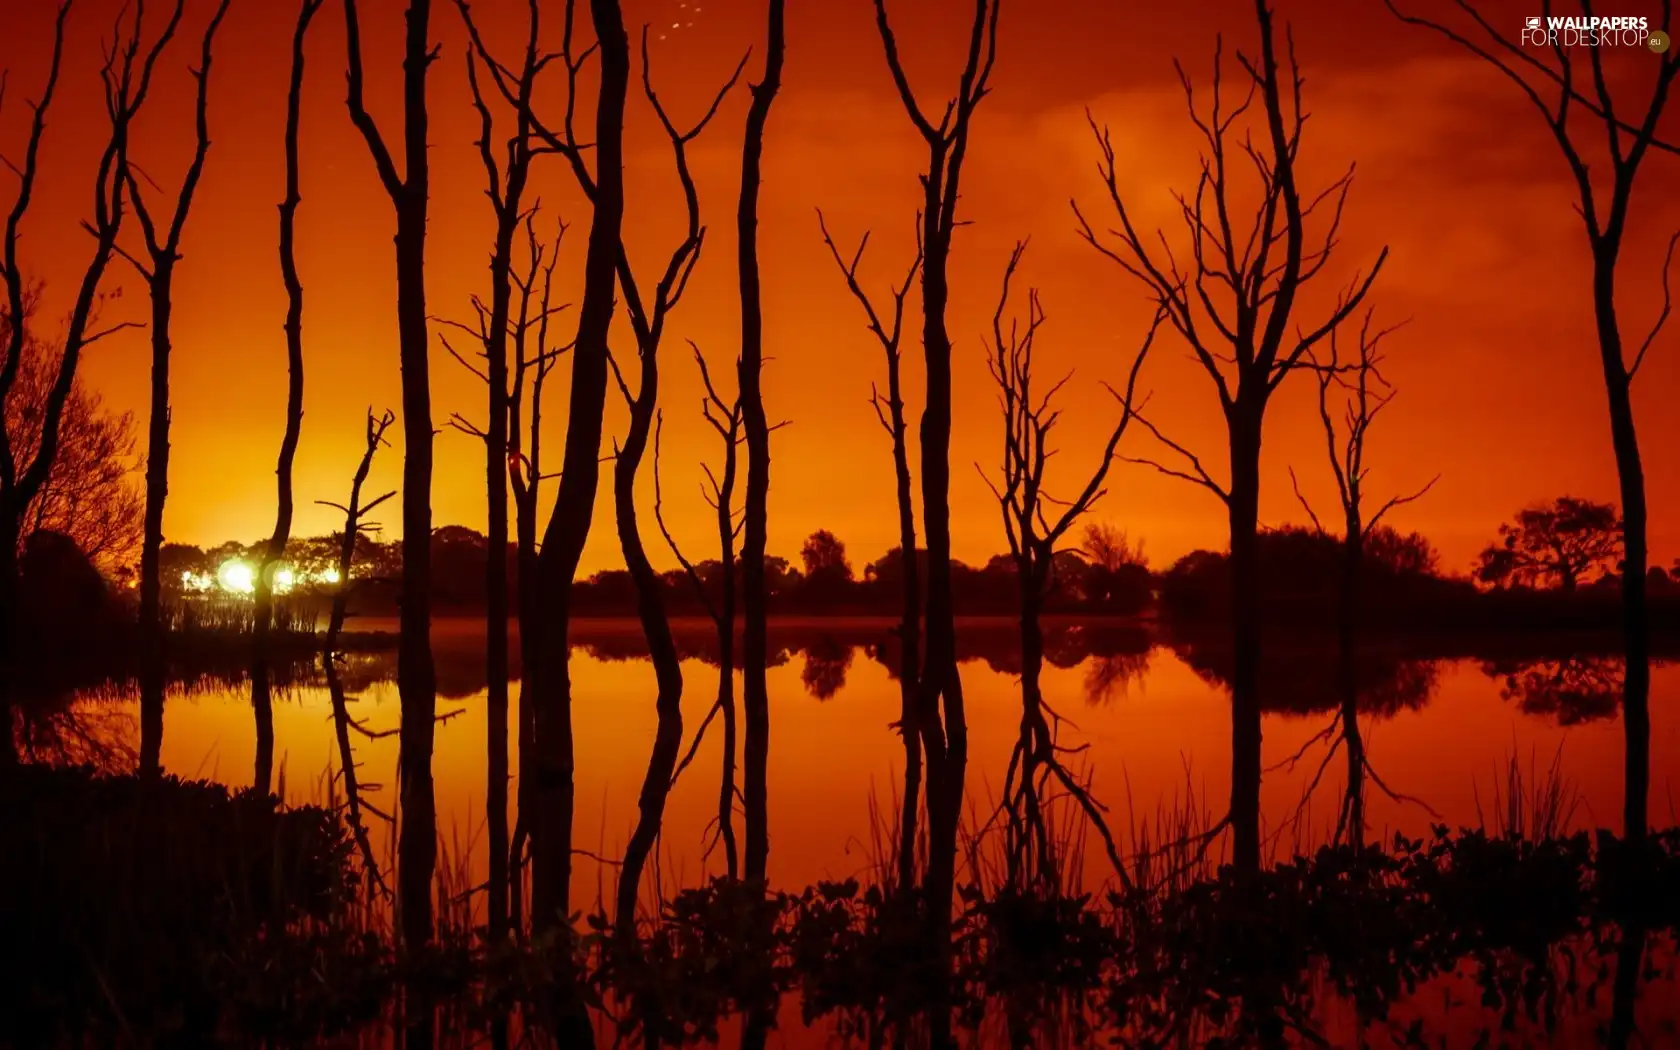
point(355, 526)
point(724, 418)
point(889, 410)
point(1035, 522)
point(507, 180)
point(416, 677)
point(944, 744)
point(275, 549)
point(1367, 393)
point(88, 494)
point(1248, 344)
point(648, 318)
point(162, 251)
point(552, 789)
point(126, 76)
point(755, 587)
point(1556, 543)
point(1604, 209)
point(824, 555)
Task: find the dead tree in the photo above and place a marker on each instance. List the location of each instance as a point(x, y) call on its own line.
point(126, 77)
point(552, 787)
point(284, 497)
point(648, 316)
point(725, 418)
point(1366, 394)
point(1578, 113)
point(755, 591)
point(533, 358)
point(889, 409)
point(1236, 301)
point(416, 677)
point(507, 180)
point(162, 251)
point(1035, 522)
point(944, 745)
point(355, 524)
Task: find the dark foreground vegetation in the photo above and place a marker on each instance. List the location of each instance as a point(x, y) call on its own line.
point(175, 913)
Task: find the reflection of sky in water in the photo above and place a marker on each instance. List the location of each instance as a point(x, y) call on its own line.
point(1156, 730)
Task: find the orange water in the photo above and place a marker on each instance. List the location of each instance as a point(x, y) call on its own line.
point(1152, 740)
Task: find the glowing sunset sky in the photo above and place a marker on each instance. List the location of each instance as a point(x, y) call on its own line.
point(1501, 392)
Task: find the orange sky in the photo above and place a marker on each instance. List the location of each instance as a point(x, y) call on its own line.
point(1500, 389)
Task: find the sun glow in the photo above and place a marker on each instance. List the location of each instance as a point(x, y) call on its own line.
point(237, 577)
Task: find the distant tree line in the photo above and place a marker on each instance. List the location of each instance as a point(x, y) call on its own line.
point(1559, 552)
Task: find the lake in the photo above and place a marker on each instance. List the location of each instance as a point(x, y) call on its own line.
point(1149, 717)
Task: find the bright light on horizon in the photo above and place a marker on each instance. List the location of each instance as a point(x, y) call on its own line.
point(236, 576)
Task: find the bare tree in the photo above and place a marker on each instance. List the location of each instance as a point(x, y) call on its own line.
point(944, 745)
point(162, 251)
point(416, 677)
point(507, 180)
point(1366, 394)
point(284, 504)
point(1036, 522)
point(534, 357)
point(1579, 108)
point(355, 524)
point(1237, 303)
point(568, 527)
point(647, 321)
point(755, 592)
point(126, 76)
point(889, 409)
point(725, 418)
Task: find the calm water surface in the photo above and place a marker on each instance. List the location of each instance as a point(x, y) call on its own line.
point(1156, 733)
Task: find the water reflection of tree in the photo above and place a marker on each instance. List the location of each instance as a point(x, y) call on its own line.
point(826, 664)
point(1573, 690)
point(1109, 677)
point(62, 729)
point(1302, 680)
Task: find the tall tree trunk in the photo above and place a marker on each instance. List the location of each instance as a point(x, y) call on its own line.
point(416, 676)
point(1245, 636)
point(940, 677)
point(1347, 627)
point(153, 662)
point(552, 789)
point(662, 648)
point(909, 636)
point(755, 597)
point(726, 657)
point(1630, 477)
point(496, 610)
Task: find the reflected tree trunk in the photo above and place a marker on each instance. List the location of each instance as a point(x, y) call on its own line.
point(1630, 969)
point(126, 73)
point(416, 677)
point(890, 411)
point(1260, 273)
point(162, 254)
point(647, 320)
point(507, 179)
point(1035, 523)
point(261, 693)
point(1605, 207)
point(755, 592)
point(945, 746)
point(552, 785)
point(533, 359)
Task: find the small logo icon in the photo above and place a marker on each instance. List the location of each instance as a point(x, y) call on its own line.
point(1657, 41)
point(1534, 22)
